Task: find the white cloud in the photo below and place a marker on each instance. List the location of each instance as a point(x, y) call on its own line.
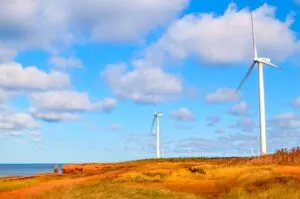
point(245, 124)
point(239, 109)
point(54, 116)
point(286, 116)
point(15, 77)
point(107, 20)
point(222, 95)
point(68, 101)
point(285, 121)
point(65, 62)
point(211, 37)
point(213, 120)
point(296, 102)
point(6, 53)
point(12, 133)
point(6, 95)
point(56, 106)
point(47, 24)
point(108, 104)
point(35, 136)
point(230, 144)
point(142, 83)
point(12, 121)
point(182, 114)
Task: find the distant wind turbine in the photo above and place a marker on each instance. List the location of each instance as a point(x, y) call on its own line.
point(260, 61)
point(156, 119)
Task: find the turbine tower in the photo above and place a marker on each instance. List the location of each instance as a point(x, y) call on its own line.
point(156, 119)
point(260, 61)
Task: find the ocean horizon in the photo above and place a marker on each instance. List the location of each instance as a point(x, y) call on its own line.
point(27, 169)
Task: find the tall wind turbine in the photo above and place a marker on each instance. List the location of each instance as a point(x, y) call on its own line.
point(260, 61)
point(156, 119)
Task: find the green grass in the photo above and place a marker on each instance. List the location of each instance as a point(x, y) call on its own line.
point(112, 191)
point(8, 185)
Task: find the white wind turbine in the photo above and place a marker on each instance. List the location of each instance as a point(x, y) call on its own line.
point(260, 61)
point(156, 119)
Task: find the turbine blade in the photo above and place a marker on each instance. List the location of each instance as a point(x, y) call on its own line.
point(152, 125)
point(246, 76)
point(270, 64)
point(253, 37)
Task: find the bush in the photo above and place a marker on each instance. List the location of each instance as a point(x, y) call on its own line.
point(196, 169)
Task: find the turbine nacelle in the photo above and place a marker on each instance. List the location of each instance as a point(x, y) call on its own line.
point(158, 114)
point(262, 60)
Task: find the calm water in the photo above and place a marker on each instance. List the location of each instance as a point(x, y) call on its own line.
point(26, 169)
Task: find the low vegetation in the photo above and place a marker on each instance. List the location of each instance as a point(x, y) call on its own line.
point(283, 157)
point(16, 184)
point(111, 191)
point(272, 176)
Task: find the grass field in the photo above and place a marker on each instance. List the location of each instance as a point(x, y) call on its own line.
point(186, 180)
point(167, 178)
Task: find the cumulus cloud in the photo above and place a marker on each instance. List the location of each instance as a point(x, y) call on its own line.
point(63, 101)
point(6, 95)
point(284, 129)
point(209, 37)
point(230, 144)
point(6, 53)
point(35, 136)
point(12, 133)
point(142, 83)
point(296, 102)
point(239, 109)
point(54, 116)
point(65, 62)
point(245, 125)
point(213, 120)
point(221, 95)
point(286, 116)
point(13, 121)
point(56, 106)
point(14, 76)
point(108, 104)
point(285, 121)
point(46, 24)
point(182, 114)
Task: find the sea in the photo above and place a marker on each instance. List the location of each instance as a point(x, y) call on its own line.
point(26, 169)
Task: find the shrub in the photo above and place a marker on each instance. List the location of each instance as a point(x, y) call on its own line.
point(196, 169)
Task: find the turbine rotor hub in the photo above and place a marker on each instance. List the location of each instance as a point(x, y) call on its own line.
point(262, 59)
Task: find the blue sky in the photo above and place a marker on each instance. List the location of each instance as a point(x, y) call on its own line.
point(77, 80)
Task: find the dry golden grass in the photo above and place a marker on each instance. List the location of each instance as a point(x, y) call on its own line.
point(230, 178)
point(177, 180)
